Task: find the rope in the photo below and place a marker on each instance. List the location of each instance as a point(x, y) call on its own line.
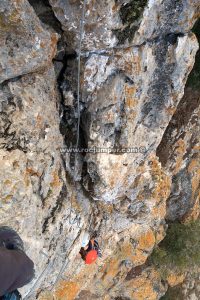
point(82, 23)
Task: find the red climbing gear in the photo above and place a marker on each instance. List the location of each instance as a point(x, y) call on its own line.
point(91, 257)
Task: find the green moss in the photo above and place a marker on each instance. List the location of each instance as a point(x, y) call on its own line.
point(179, 250)
point(50, 192)
point(126, 33)
point(173, 293)
point(132, 11)
point(130, 15)
point(194, 77)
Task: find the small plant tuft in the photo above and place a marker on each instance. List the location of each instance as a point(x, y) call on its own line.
point(173, 293)
point(179, 250)
point(130, 15)
point(194, 77)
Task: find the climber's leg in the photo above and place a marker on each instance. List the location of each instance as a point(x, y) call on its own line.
point(10, 239)
point(16, 268)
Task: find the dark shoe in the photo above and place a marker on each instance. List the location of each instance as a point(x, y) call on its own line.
point(15, 295)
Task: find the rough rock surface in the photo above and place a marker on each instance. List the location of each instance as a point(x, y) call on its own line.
point(181, 156)
point(25, 46)
point(135, 60)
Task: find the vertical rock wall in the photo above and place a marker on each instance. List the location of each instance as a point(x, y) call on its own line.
point(135, 60)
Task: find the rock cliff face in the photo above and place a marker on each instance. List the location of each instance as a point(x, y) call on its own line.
point(121, 66)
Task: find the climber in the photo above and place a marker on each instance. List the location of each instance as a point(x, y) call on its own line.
point(16, 268)
point(89, 249)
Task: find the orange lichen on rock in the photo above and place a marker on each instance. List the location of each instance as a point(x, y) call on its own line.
point(144, 290)
point(146, 241)
point(111, 270)
point(194, 168)
point(139, 257)
point(53, 46)
point(171, 110)
point(32, 172)
point(193, 213)
point(175, 279)
point(67, 290)
point(133, 62)
point(127, 252)
point(56, 180)
point(162, 182)
point(179, 152)
point(143, 286)
point(130, 100)
point(145, 244)
point(193, 165)
point(139, 254)
point(159, 211)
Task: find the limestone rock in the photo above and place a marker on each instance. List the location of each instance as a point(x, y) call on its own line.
point(179, 153)
point(133, 75)
point(101, 18)
point(167, 18)
point(25, 46)
point(110, 23)
point(135, 60)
